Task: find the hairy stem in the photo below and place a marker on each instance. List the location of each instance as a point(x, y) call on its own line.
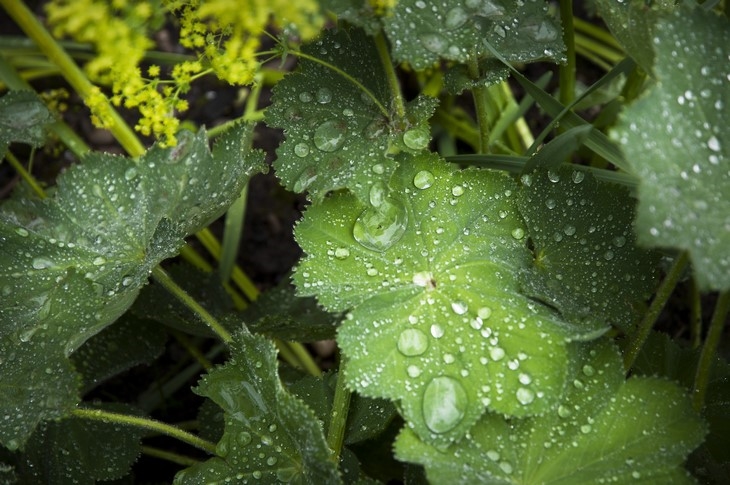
point(481, 103)
point(146, 423)
point(340, 410)
point(382, 46)
point(707, 356)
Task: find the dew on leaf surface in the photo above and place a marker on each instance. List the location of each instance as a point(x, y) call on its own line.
point(378, 168)
point(444, 404)
point(455, 18)
point(496, 353)
point(518, 233)
point(457, 190)
point(301, 150)
point(423, 179)
point(330, 135)
point(416, 138)
point(324, 95)
point(342, 253)
point(377, 194)
point(434, 42)
point(22, 232)
point(378, 228)
point(459, 307)
point(525, 396)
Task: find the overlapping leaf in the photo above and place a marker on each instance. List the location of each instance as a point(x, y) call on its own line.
point(335, 113)
point(431, 275)
point(270, 436)
point(23, 118)
point(676, 141)
point(586, 262)
point(72, 263)
point(605, 430)
point(422, 32)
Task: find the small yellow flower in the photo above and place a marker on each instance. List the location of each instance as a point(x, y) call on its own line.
point(153, 71)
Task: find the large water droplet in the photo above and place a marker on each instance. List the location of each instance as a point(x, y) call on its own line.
point(434, 42)
point(412, 342)
point(22, 232)
point(130, 173)
point(305, 179)
point(423, 179)
point(324, 95)
point(305, 97)
point(578, 176)
point(377, 194)
point(525, 396)
point(330, 135)
point(42, 263)
point(496, 353)
point(455, 18)
point(301, 150)
point(543, 32)
point(444, 404)
point(518, 233)
point(417, 138)
point(342, 253)
point(378, 228)
point(437, 330)
point(459, 307)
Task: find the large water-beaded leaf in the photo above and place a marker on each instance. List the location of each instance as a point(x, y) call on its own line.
point(676, 141)
point(605, 430)
point(422, 32)
point(431, 274)
point(336, 117)
point(586, 262)
point(72, 263)
point(23, 118)
point(270, 436)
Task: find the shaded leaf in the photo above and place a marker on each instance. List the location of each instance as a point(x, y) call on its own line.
point(94, 243)
point(437, 319)
point(586, 262)
point(23, 118)
point(605, 430)
point(422, 33)
point(676, 141)
point(269, 434)
point(339, 134)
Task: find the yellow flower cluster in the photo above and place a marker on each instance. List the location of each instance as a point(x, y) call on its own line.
point(228, 34)
point(224, 34)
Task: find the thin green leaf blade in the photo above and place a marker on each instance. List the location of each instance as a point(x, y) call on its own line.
point(605, 429)
point(436, 310)
point(675, 140)
point(269, 434)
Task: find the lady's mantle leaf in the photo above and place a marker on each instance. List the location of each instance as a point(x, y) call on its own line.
point(23, 118)
point(438, 321)
point(72, 263)
point(336, 134)
point(677, 140)
point(586, 262)
point(423, 32)
point(270, 435)
point(604, 431)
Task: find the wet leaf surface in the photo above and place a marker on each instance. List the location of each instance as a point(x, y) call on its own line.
point(23, 118)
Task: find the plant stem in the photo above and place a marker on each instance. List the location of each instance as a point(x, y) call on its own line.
point(71, 72)
point(382, 46)
point(176, 458)
point(567, 70)
point(25, 175)
point(340, 410)
point(146, 423)
point(707, 356)
point(695, 304)
point(161, 276)
point(481, 100)
point(660, 299)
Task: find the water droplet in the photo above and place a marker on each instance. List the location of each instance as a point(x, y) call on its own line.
point(417, 138)
point(518, 233)
point(543, 32)
point(437, 330)
point(496, 353)
point(434, 42)
point(550, 203)
point(713, 144)
point(378, 168)
point(413, 371)
point(378, 228)
point(22, 232)
point(608, 255)
point(564, 411)
point(484, 313)
point(619, 241)
point(412, 342)
point(271, 461)
point(342, 253)
point(455, 18)
point(305, 97)
point(375, 128)
point(127, 280)
point(221, 448)
point(493, 455)
point(324, 95)
point(578, 176)
point(506, 467)
point(243, 438)
point(301, 150)
point(130, 173)
point(526, 180)
point(524, 378)
point(553, 176)
point(423, 179)
point(305, 179)
point(444, 404)
point(330, 135)
point(99, 260)
point(42, 263)
point(569, 230)
point(459, 307)
point(423, 279)
point(377, 194)
point(457, 190)
point(585, 429)
point(525, 396)
point(286, 475)
point(588, 370)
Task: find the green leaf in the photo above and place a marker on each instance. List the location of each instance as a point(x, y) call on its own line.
point(356, 12)
point(676, 141)
point(586, 262)
point(269, 434)
point(421, 32)
point(606, 430)
point(80, 451)
point(118, 348)
point(338, 127)
point(431, 275)
point(73, 263)
point(23, 118)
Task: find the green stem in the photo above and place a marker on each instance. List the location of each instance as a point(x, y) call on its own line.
point(382, 46)
point(481, 103)
point(340, 410)
point(567, 70)
point(146, 423)
point(25, 175)
point(660, 299)
point(714, 333)
point(160, 276)
point(695, 304)
point(27, 21)
point(354, 81)
point(176, 458)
